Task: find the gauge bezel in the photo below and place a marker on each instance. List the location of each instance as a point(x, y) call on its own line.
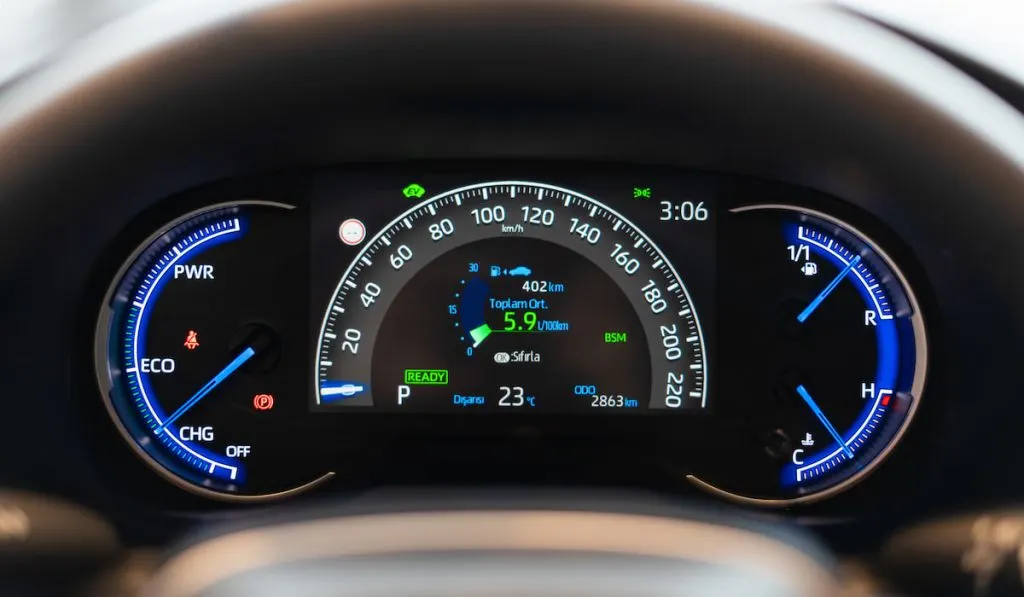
point(917, 387)
point(102, 365)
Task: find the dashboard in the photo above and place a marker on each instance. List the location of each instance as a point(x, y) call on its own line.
point(760, 262)
point(277, 336)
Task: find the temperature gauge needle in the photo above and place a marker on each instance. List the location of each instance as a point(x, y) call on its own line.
point(209, 386)
point(824, 420)
point(828, 290)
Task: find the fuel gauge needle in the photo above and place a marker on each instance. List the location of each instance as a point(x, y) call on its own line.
point(828, 290)
point(824, 420)
point(209, 386)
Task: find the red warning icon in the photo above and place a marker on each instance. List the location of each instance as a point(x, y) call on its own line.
point(192, 340)
point(263, 401)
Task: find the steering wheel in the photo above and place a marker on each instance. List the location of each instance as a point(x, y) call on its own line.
point(165, 99)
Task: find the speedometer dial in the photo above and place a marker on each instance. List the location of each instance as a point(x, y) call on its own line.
point(511, 297)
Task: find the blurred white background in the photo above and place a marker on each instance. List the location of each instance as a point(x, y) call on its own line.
point(988, 30)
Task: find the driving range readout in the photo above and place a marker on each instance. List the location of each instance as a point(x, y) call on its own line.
point(511, 296)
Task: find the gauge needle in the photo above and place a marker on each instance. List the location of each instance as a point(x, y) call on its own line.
point(210, 385)
point(828, 290)
point(824, 420)
point(479, 334)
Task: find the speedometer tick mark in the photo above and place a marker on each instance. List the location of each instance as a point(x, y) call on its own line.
point(385, 240)
point(593, 210)
point(366, 261)
point(617, 225)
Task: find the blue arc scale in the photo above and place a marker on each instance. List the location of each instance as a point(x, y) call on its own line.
point(832, 352)
point(192, 352)
point(159, 423)
point(895, 350)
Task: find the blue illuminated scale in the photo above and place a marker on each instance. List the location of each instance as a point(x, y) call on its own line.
point(137, 322)
point(895, 345)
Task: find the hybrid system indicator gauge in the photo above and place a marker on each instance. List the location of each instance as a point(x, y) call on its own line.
point(508, 297)
point(833, 358)
point(193, 353)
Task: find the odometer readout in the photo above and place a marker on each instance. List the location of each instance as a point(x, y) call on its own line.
point(510, 297)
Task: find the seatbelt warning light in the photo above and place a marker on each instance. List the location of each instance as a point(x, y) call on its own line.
point(192, 340)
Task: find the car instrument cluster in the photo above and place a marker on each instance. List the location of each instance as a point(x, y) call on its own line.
point(757, 341)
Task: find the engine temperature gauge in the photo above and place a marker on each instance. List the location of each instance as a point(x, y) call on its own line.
point(833, 358)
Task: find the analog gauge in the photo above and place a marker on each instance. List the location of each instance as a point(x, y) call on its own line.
point(196, 357)
point(829, 360)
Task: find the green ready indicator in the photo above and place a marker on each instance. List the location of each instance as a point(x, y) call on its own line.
point(426, 377)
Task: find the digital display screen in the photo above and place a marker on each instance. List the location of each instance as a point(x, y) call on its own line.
point(513, 292)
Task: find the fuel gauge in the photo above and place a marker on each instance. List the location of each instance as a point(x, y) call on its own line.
point(828, 347)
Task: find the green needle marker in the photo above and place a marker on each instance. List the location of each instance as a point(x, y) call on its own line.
point(479, 334)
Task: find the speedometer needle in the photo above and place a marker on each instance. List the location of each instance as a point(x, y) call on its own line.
point(209, 386)
point(828, 290)
point(824, 420)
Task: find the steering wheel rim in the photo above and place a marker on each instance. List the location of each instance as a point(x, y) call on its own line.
point(269, 85)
